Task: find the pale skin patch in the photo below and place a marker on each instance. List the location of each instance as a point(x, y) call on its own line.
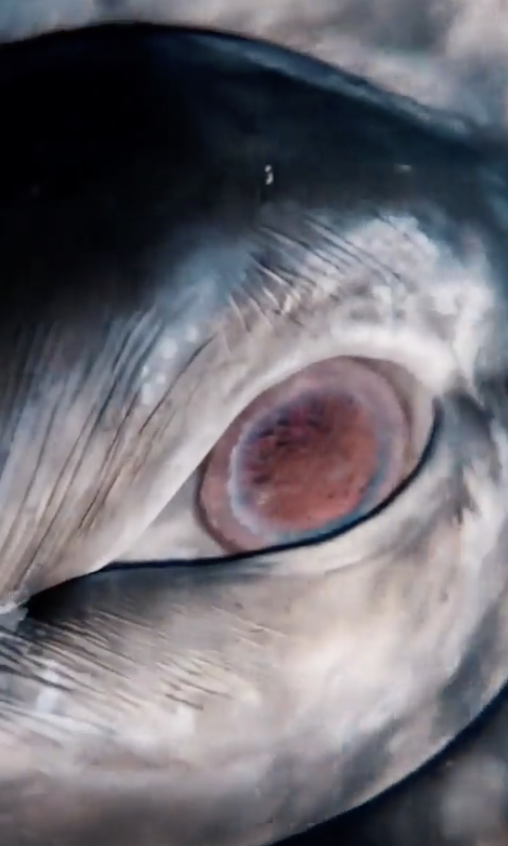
point(47, 698)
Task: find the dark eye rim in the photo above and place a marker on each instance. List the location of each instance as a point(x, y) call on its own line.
point(226, 563)
point(409, 391)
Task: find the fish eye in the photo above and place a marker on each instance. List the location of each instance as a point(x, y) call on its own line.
point(315, 454)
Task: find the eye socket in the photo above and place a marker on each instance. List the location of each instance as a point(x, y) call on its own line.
point(314, 454)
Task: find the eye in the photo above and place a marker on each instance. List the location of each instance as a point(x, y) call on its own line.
point(314, 454)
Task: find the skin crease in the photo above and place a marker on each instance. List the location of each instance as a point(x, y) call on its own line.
point(337, 667)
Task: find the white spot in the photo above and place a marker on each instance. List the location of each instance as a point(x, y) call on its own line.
point(168, 349)
point(269, 177)
point(160, 379)
point(192, 334)
point(10, 614)
point(183, 721)
point(49, 695)
point(147, 393)
point(177, 724)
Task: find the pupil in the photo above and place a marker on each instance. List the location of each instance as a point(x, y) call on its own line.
point(308, 463)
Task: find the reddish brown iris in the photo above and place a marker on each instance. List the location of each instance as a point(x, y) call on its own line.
point(310, 455)
point(308, 463)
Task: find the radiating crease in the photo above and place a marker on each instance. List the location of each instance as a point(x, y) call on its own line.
point(79, 451)
point(6, 546)
point(104, 488)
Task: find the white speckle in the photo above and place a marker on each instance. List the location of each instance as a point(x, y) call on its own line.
point(183, 721)
point(168, 349)
point(177, 724)
point(287, 305)
point(192, 334)
point(10, 613)
point(49, 695)
point(270, 295)
point(269, 177)
point(147, 393)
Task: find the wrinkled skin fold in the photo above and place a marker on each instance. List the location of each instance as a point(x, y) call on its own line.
point(153, 283)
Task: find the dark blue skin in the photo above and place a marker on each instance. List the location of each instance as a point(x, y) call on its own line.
point(232, 701)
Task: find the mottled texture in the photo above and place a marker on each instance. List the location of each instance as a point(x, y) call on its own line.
point(186, 221)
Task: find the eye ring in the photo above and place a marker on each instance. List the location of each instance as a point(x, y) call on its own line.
point(308, 457)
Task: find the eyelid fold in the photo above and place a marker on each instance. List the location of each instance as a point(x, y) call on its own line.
point(313, 455)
